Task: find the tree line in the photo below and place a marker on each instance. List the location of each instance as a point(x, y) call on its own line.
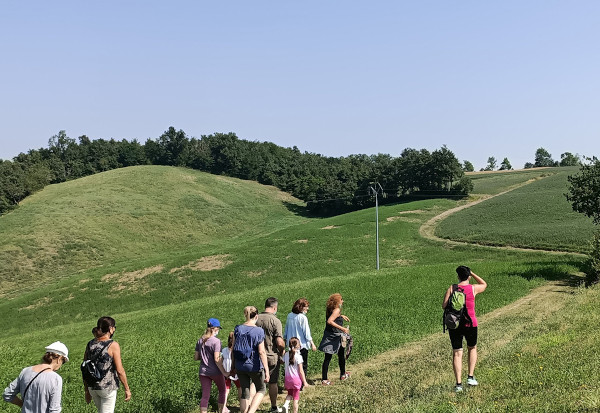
point(328, 185)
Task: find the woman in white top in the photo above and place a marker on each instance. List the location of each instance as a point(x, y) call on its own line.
point(40, 386)
point(296, 325)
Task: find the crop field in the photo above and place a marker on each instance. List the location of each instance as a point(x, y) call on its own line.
point(533, 216)
point(498, 181)
point(161, 284)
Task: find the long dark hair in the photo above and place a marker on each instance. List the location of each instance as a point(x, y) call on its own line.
point(294, 342)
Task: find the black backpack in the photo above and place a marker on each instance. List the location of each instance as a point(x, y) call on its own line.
point(455, 312)
point(89, 369)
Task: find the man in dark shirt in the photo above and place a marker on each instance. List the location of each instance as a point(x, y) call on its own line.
point(274, 346)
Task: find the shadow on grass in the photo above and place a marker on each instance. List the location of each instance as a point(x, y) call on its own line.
point(557, 271)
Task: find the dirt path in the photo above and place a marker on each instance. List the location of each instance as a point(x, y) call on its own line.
point(427, 230)
point(424, 367)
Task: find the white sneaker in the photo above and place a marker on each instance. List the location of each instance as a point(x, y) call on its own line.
point(458, 388)
point(276, 410)
point(472, 382)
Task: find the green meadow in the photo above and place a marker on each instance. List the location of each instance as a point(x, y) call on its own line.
point(536, 215)
point(162, 249)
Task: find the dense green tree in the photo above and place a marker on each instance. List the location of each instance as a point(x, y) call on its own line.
point(584, 190)
point(528, 165)
point(468, 166)
point(543, 158)
point(584, 195)
point(505, 165)
point(568, 159)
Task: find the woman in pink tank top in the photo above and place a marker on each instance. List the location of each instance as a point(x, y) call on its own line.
point(468, 326)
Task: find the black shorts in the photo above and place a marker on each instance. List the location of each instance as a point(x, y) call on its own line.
point(456, 337)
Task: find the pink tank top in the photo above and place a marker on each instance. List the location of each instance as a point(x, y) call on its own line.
point(470, 304)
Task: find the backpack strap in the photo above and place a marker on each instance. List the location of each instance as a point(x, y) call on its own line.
point(454, 288)
point(106, 346)
point(32, 380)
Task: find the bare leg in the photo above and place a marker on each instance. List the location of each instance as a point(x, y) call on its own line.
point(457, 364)
point(295, 406)
point(472, 356)
point(256, 400)
point(244, 403)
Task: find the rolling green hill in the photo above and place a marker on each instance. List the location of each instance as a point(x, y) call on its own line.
point(533, 216)
point(117, 218)
point(163, 249)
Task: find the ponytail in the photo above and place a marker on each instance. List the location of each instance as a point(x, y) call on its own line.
point(103, 326)
point(294, 342)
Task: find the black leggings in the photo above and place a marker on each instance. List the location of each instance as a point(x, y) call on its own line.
point(341, 360)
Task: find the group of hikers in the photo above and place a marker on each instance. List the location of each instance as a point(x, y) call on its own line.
point(252, 359)
point(257, 348)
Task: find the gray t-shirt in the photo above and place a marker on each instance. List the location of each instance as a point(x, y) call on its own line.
point(44, 394)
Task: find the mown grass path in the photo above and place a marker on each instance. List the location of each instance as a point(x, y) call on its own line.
point(418, 376)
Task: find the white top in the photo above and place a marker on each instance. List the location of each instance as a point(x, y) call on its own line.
point(226, 353)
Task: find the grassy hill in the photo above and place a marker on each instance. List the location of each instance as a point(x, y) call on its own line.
point(115, 219)
point(183, 268)
point(533, 216)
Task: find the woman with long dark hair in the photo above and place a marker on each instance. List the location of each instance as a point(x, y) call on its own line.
point(107, 355)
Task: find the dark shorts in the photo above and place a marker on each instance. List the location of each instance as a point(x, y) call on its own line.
point(456, 337)
point(274, 373)
point(256, 377)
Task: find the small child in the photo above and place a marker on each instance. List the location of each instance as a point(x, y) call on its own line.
point(294, 375)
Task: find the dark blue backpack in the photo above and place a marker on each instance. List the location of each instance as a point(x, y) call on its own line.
point(242, 348)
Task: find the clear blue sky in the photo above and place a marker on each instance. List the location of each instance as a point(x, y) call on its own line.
point(485, 78)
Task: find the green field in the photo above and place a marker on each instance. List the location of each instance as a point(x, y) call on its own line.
point(163, 249)
point(533, 216)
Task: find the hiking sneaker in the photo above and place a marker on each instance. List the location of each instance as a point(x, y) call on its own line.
point(345, 376)
point(275, 409)
point(325, 382)
point(458, 388)
point(472, 382)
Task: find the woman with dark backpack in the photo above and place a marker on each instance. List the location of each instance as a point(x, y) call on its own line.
point(105, 355)
point(40, 386)
point(250, 360)
point(467, 327)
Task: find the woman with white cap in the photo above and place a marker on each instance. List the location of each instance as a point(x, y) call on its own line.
point(208, 349)
point(106, 354)
point(40, 386)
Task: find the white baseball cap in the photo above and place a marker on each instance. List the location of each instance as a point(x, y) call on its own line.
point(58, 348)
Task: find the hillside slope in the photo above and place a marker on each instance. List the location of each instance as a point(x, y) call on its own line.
point(536, 215)
point(130, 214)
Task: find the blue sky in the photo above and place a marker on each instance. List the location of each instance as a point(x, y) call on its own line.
point(484, 78)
